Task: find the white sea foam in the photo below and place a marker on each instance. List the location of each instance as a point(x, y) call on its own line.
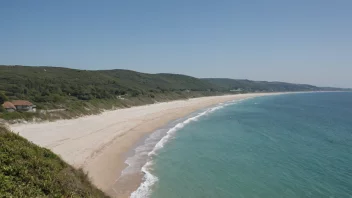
point(136, 162)
point(144, 189)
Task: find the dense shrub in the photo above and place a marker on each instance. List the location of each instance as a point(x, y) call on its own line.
point(27, 170)
point(3, 98)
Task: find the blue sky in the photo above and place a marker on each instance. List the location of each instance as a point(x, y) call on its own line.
point(295, 41)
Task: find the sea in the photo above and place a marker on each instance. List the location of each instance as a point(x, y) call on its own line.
point(281, 146)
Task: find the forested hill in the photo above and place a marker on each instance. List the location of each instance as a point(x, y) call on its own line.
point(84, 90)
point(36, 82)
point(226, 84)
point(264, 86)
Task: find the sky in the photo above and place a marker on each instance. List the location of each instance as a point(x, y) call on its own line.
point(301, 41)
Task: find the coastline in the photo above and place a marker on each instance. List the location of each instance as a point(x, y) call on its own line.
point(99, 144)
point(144, 155)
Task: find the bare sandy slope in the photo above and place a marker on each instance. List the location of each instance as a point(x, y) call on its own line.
point(99, 143)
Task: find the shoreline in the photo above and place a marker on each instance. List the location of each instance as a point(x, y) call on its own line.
point(146, 154)
point(100, 143)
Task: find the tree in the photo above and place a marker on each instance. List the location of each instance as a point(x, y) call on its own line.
point(3, 98)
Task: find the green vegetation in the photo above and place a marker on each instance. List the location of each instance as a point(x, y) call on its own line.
point(245, 86)
point(3, 98)
point(259, 86)
point(81, 92)
point(55, 85)
point(75, 92)
point(27, 170)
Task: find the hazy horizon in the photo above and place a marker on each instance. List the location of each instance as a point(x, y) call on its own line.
point(297, 42)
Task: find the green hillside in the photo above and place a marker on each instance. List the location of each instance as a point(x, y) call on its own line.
point(263, 86)
point(154, 82)
point(81, 92)
point(27, 170)
point(37, 82)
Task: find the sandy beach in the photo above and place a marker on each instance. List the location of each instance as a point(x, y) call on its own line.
point(99, 144)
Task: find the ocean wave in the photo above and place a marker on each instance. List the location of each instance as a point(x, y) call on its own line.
point(144, 190)
point(136, 162)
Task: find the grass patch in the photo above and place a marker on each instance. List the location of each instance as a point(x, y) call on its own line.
point(18, 115)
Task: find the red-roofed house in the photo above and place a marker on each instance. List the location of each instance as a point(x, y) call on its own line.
point(23, 105)
point(9, 106)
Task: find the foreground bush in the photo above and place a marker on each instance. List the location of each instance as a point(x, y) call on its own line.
point(27, 170)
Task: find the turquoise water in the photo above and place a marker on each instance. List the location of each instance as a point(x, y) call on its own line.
point(295, 145)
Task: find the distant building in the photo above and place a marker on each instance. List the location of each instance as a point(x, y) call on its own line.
point(8, 106)
point(23, 105)
point(236, 90)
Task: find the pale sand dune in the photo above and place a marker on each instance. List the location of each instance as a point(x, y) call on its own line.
point(99, 143)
